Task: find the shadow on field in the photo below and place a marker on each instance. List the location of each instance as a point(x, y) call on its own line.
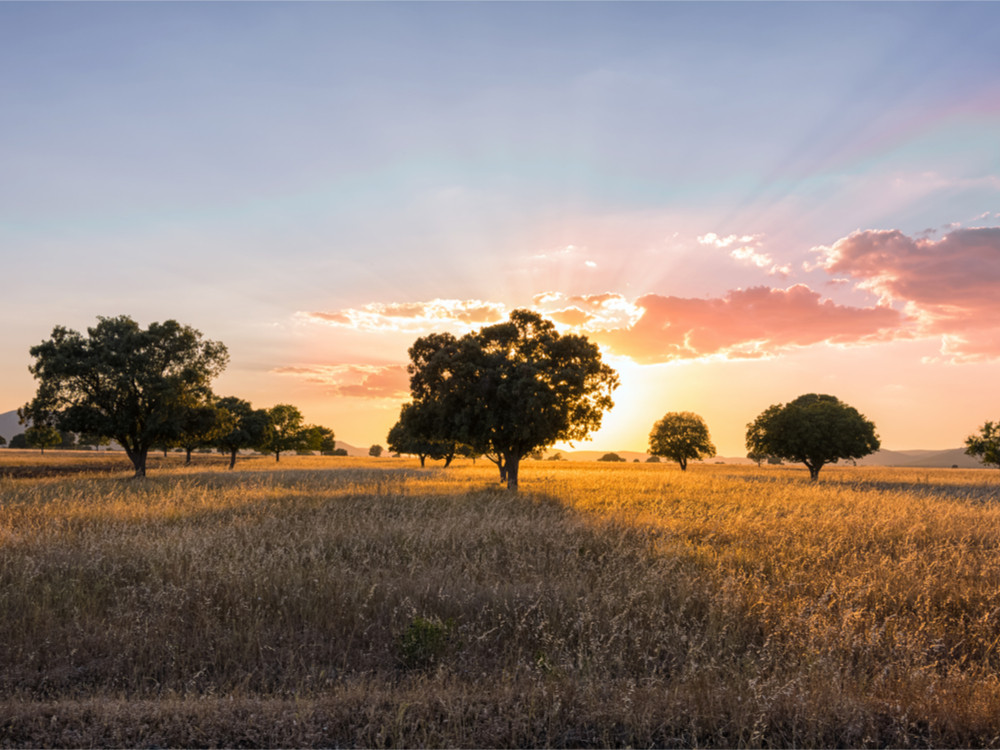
point(984, 492)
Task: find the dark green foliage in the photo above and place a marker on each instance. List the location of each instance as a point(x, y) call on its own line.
point(42, 436)
point(680, 436)
point(415, 433)
point(424, 642)
point(285, 431)
point(611, 458)
point(319, 438)
point(814, 429)
point(245, 427)
point(122, 382)
point(986, 444)
point(19, 441)
point(511, 388)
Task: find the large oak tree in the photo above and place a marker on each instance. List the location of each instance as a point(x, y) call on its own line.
point(814, 429)
point(136, 386)
point(511, 388)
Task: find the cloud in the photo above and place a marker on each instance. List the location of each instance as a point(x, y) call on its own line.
point(746, 248)
point(948, 285)
point(755, 322)
point(413, 316)
point(594, 312)
point(354, 381)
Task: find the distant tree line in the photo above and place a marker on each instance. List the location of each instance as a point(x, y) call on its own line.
point(149, 389)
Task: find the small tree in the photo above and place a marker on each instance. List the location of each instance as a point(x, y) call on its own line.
point(814, 429)
point(375, 451)
point(986, 444)
point(42, 436)
point(285, 431)
point(246, 427)
point(611, 458)
point(680, 436)
point(3, 440)
point(415, 432)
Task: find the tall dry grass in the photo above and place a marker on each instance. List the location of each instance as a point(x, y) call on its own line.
point(367, 602)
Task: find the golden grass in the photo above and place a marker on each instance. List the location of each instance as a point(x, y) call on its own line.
point(329, 601)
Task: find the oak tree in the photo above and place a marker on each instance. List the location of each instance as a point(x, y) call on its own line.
point(247, 427)
point(123, 382)
point(285, 431)
point(681, 436)
point(814, 429)
point(512, 388)
point(985, 445)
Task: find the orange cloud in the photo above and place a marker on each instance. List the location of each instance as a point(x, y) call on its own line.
point(355, 381)
point(949, 285)
point(413, 316)
point(745, 323)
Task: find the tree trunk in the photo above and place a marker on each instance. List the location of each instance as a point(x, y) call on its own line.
point(139, 462)
point(814, 472)
point(232, 459)
point(684, 464)
point(277, 456)
point(447, 460)
point(422, 458)
point(512, 464)
point(189, 452)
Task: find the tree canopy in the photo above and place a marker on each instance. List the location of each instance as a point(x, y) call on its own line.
point(814, 429)
point(414, 433)
point(681, 436)
point(123, 382)
point(285, 431)
point(245, 427)
point(985, 445)
point(511, 388)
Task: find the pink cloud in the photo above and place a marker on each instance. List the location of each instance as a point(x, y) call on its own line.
point(412, 316)
point(745, 323)
point(949, 285)
point(355, 381)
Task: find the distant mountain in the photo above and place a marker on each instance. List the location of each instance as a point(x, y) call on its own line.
point(351, 450)
point(925, 459)
point(9, 426)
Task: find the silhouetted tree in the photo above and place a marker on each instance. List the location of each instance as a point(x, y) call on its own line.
point(814, 429)
point(512, 388)
point(611, 458)
point(415, 432)
point(284, 431)
point(375, 451)
point(123, 382)
point(680, 436)
point(42, 436)
point(19, 441)
point(985, 445)
point(246, 427)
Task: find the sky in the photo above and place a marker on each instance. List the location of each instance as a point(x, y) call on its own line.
point(739, 202)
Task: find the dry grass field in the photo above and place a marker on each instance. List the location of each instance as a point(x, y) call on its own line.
point(366, 602)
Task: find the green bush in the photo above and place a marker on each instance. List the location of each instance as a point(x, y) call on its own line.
point(424, 642)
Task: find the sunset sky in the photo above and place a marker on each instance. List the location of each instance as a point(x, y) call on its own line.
point(740, 203)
